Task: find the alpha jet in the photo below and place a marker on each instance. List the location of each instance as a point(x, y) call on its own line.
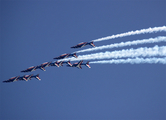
point(86, 64)
point(56, 63)
point(28, 77)
point(13, 79)
point(66, 55)
point(60, 63)
point(80, 45)
point(65, 62)
point(30, 69)
point(42, 66)
point(25, 78)
point(78, 65)
point(35, 76)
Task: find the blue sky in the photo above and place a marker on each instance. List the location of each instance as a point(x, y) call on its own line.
point(34, 32)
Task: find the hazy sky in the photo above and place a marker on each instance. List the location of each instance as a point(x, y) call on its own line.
point(34, 32)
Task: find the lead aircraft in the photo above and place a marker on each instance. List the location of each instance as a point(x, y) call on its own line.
point(80, 45)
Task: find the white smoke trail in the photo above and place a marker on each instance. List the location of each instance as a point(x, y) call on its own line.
point(132, 61)
point(129, 43)
point(140, 52)
point(142, 31)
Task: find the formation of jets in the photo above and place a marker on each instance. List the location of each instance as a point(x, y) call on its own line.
point(56, 63)
point(24, 78)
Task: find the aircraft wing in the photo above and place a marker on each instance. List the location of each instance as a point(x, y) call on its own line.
point(62, 56)
point(80, 45)
point(75, 46)
point(28, 77)
point(87, 64)
point(74, 55)
point(91, 43)
point(42, 68)
point(79, 64)
point(22, 78)
point(54, 64)
point(12, 79)
point(30, 69)
point(37, 77)
point(8, 81)
point(46, 64)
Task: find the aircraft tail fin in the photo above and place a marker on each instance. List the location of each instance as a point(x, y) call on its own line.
point(68, 62)
point(79, 66)
point(91, 43)
point(87, 64)
point(61, 63)
point(37, 77)
point(75, 55)
point(25, 78)
point(42, 68)
point(56, 64)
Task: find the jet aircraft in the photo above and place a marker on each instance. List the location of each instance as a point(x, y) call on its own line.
point(28, 77)
point(66, 55)
point(25, 77)
point(80, 45)
point(60, 63)
point(42, 66)
point(12, 79)
point(35, 76)
point(56, 63)
point(30, 69)
point(65, 62)
point(78, 65)
point(86, 64)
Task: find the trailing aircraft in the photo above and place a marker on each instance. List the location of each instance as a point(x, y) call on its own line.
point(66, 55)
point(80, 45)
point(12, 79)
point(25, 78)
point(60, 63)
point(35, 76)
point(28, 77)
point(30, 69)
point(86, 64)
point(65, 62)
point(78, 65)
point(56, 63)
point(42, 66)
